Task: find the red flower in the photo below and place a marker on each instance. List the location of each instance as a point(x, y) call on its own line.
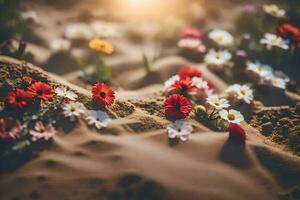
point(177, 107)
point(191, 33)
point(41, 90)
point(236, 132)
point(9, 129)
point(184, 87)
point(19, 99)
point(103, 95)
point(289, 32)
point(189, 72)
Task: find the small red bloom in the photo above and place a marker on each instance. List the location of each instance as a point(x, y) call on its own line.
point(184, 87)
point(177, 107)
point(289, 32)
point(191, 33)
point(236, 132)
point(189, 72)
point(103, 95)
point(19, 99)
point(41, 90)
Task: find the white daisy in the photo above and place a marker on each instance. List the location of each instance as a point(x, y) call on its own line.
point(214, 57)
point(274, 11)
point(263, 71)
point(278, 82)
point(232, 116)
point(63, 92)
point(59, 44)
point(105, 29)
point(179, 129)
point(79, 31)
point(73, 110)
point(217, 103)
point(243, 92)
point(30, 16)
point(98, 118)
point(272, 40)
point(221, 37)
point(168, 83)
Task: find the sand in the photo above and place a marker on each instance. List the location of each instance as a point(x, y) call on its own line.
point(133, 159)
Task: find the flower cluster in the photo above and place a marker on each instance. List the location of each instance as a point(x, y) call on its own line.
point(191, 39)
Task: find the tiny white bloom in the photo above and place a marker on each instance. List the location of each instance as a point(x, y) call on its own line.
point(98, 118)
point(263, 71)
point(243, 92)
point(221, 37)
point(274, 11)
point(30, 16)
point(278, 82)
point(79, 31)
point(217, 103)
point(232, 116)
point(272, 40)
point(214, 57)
point(168, 83)
point(104, 29)
point(73, 110)
point(63, 92)
point(59, 44)
point(179, 129)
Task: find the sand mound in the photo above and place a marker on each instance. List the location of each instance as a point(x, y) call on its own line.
point(133, 159)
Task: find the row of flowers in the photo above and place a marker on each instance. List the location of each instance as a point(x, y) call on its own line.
point(28, 121)
point(189, 90)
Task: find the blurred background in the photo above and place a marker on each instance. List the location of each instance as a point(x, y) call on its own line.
point(55, 34)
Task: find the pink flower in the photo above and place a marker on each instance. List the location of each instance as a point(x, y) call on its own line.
point(10, 129)
point(191, 33)
point(41, 131)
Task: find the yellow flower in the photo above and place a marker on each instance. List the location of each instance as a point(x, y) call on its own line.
point(101, 46)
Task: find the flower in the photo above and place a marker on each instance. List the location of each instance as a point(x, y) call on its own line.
point(179, 129)
point(73, 109)
point(10, 129)
point(274, 11)
point(278, 82)
point(79, 31)
point(104, 29)
point(191, 43)
point(103, 95)
point(263, 71)
point(191, 33)
point(203, 87)
point(41, 90)
point(177, 107)
point(290, 33)
point(232, 116)
point(63, 92)
point(101, 46)
point(58, 45)
point(19, 99)
point(236, 133)
point(272, 40)
point(30, 16)
point(221, 57)
point(40, 131)
point(168, 83)
point(183, 86)
point(189, 72)
point(221, 37)
point(217, 103)
point(98, 118)
point(243, 92)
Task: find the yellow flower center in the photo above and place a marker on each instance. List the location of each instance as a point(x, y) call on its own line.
point(243, 92)
point(231, 116)
point(73, 109)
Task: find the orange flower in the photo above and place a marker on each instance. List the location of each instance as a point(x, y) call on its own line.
point(101, 46)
